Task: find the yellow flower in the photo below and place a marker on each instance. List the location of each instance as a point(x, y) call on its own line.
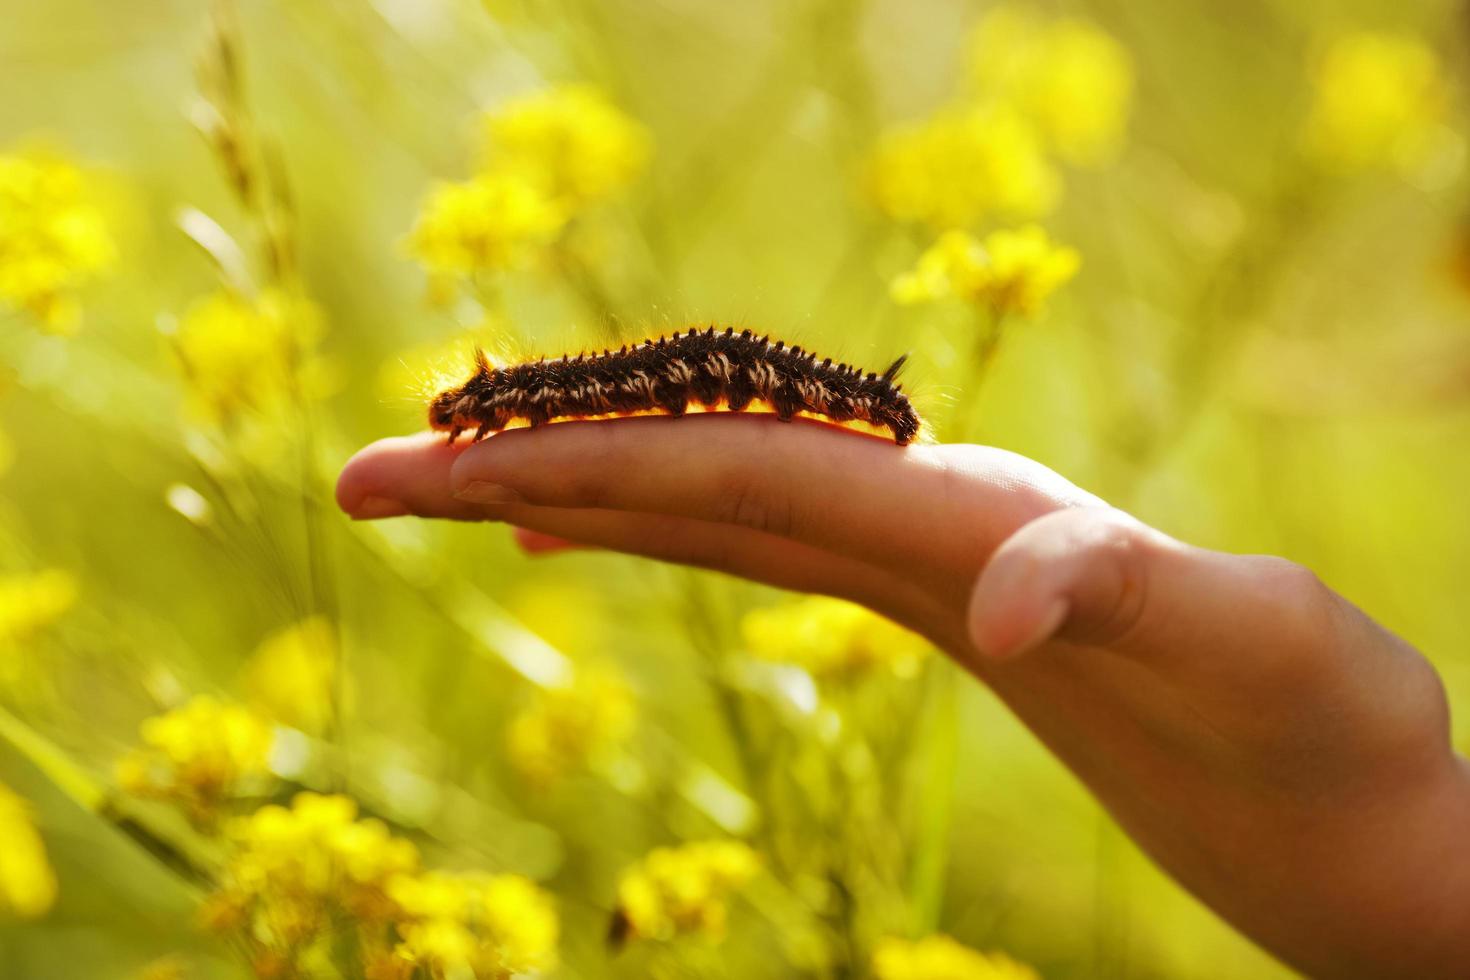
point(475, 925)
point(291, 674)
point(1381, 101)
point(52, 238)
point(1010, 272)
point(27, 883)
point(173, 966)
point(7, 451)
point(445, 948)
point(685, 889)
point(1072, 79)
point(829, 637)
point(198, 756)
point(941, 958)
point(547, 156)
point(292, 875)
point(581, 145)
point(960, 166)
point(494, 222)
point(31, 602)
point(569, 728)
point(1041, 86)
point(239, 354)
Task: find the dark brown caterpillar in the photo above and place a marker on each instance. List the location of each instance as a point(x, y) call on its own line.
point(689, 372)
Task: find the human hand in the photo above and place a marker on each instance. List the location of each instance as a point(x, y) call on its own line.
point(1281, 755)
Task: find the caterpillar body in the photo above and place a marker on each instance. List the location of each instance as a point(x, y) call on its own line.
point(693, 371)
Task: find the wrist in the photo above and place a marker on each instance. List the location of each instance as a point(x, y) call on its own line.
point(1393, 880)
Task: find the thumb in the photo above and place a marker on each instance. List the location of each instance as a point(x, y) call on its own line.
point(1096, 576)
point(1082, 574)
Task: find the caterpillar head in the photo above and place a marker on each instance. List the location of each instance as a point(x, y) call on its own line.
point(443, 409)
point(462, 407)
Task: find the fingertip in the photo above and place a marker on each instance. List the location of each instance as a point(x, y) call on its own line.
point(1011, 602)
point(1006, 626)
point(346, 493)
point(396, 476)
point(537, 543)
point(1042, 627)
point(378, 508)
point(355, 482)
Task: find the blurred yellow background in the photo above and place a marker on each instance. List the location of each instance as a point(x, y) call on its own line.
point(1210, 262)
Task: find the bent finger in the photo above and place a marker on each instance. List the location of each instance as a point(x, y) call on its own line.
point(748, 554)
point(1100, 578)
point(1081, 572)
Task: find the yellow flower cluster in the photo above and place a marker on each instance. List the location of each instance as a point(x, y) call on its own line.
point(568, 728)
point(1381, 100)
point(492, 222)
point(685, 889)
point(31, 602)
point(830, 638)
point(295, 875)
point(1039, 88)
point(198, 757)
point(27, 883)
point(291, 675)
point(300, 884)
point(574, 142)
point(548, 157)
point(52, 237)
point(1074, 81)
point(481, 926)
point(960, 166)
point(941, 958)
point(1011, 271)
point(240, 353)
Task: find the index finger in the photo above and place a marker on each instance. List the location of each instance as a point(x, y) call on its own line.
point(923, 509)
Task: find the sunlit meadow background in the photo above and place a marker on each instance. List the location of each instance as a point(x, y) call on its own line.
point(1208, 260)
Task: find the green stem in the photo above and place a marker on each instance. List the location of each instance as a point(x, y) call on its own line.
point(590, 289)
point(705, 637)
point(935, 801)
point(89, 793)
point(1239, 291)
point(990, 331)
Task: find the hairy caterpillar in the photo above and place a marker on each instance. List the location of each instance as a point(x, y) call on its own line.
point(696, 371)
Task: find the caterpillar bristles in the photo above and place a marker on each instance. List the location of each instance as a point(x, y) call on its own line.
point(693, 371)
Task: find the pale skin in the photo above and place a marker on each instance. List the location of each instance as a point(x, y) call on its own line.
point(1281, 755)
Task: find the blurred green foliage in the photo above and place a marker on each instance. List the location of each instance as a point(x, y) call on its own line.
point(208, 222)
